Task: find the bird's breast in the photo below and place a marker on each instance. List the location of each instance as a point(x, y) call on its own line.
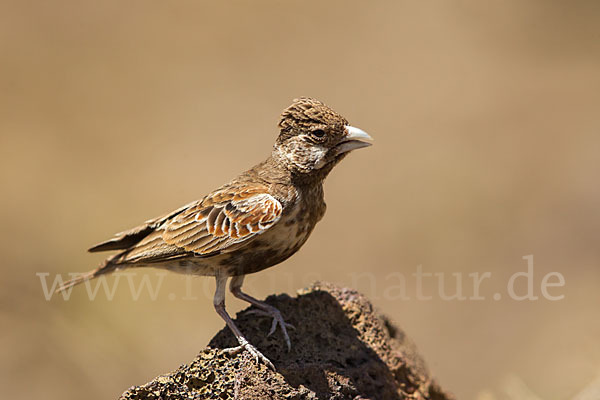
point(277, 244)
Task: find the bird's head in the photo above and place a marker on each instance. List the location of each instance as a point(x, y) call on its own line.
point(314, 138)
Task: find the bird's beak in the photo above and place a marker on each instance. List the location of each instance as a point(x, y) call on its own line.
point(354, 139)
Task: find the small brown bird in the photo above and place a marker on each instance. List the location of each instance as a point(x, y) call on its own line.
point(256, 221)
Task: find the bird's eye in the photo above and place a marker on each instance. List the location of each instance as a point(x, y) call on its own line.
point(318, 133)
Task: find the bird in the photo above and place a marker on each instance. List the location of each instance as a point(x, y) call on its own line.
point(256, 221)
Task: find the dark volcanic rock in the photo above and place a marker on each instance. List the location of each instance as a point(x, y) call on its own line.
point(341, 349)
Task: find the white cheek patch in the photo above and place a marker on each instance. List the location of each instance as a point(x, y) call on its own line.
point(305, 157)
point(319, 155)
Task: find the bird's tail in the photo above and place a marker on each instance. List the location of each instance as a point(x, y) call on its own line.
point(106, 267)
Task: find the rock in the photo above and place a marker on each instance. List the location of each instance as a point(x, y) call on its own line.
point(341, 349)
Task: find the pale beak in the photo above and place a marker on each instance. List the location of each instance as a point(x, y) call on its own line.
point(354, 139)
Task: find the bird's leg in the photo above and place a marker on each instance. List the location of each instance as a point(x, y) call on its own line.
point(219, 303)
point(235, 286)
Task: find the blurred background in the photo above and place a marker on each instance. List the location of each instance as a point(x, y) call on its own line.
point(486, 119)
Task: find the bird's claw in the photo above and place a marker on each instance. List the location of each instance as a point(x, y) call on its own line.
point(258, 356)
point(277, 320)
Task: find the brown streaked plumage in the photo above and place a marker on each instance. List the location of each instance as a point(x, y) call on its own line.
point(257, 220)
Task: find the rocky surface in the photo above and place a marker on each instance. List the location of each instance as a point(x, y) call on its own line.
point(341, 349)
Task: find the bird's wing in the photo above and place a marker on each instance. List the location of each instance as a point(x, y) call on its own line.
point(223, 221)
point(126, 239)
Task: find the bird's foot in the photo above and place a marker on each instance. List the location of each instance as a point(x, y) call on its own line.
point(258, 356)
point(274, 313)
